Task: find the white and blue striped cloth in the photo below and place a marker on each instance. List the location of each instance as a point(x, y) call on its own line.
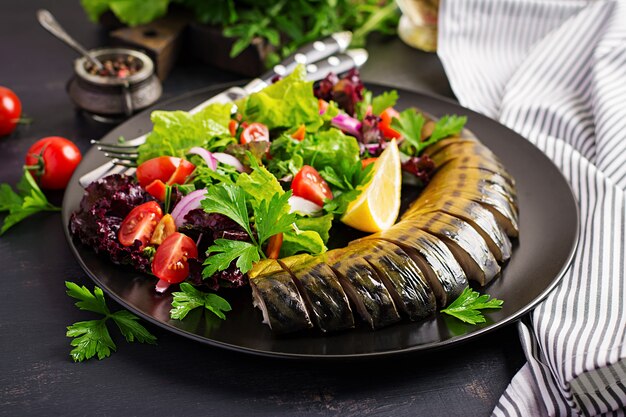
point(555, 72)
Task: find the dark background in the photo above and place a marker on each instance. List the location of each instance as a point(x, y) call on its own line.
point(178, 376)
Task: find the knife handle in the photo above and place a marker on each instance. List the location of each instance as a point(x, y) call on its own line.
point(338, 63)
point(310, 53)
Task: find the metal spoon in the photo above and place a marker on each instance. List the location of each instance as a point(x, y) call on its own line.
point(48, 21)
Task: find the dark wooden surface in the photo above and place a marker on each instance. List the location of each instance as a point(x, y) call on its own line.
point(178, 376)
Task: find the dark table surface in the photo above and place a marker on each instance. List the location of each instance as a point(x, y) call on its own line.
point(179, 376)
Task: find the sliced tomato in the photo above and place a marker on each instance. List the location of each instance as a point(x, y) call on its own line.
point(309, 184)
point(170, 262)
point(157, 189)
point(164, 168)
point(140, 223)
point(322, 105)
point(163, 230)
point(385, 123)
point(365, 162)
point(184, 170)
point(255, 132)
point(274, 244)
point(232, 127)
point(299, 133)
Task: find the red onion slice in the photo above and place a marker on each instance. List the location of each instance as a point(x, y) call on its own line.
point(206, 155)
point(347, 124)
point(189, 202)
point(227, 159)
point(303, 206)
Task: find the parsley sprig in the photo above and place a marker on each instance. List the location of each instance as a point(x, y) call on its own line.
point(190, 298)
point(410, 124)
point(468, 305)
point(91, 338)
point(27, 201)
point(259, 193)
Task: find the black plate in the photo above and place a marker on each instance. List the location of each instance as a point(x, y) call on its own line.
point(548, 236)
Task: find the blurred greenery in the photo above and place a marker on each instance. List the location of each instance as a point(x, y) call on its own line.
point(285, 24)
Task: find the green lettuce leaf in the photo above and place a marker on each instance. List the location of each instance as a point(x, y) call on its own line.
point(309, 235)
point(287, 103)
point(175, 132)
point(333, 149)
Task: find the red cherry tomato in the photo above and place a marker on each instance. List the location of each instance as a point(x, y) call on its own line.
point(140, 223)
point(170, 170)
point(157, 189)
point(52, 161)
point(170, 262)
point(385, 124)
point(10, 111)
point(255, 132)
point(310, 185)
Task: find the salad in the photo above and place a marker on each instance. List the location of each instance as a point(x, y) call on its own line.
point(265, 177)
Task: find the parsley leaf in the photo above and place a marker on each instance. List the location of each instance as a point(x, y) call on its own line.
point(410, 124)
point(224, 251)
point(189, 298)
point(383, 101)
point(91, 338)
point(28, 201)
point(448, 125)
point(229, 200)
point(273, 217)
point(468, 305)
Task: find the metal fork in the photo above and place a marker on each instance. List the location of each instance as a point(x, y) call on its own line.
point(124, 155)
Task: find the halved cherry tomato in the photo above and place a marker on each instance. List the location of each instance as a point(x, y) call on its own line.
point(232, 127)
point(385, 123)
point(163, 230)
point(169, 169)
point(299, 133)
point(309, 184)
point(274, 244)
point(140, 223)
point(255, 132)
point(170, 262)
point(365, 162)
point(157, 189)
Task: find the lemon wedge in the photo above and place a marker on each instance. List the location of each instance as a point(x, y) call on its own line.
point(378, 205)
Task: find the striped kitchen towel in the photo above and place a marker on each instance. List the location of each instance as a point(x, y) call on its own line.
point(555, 72)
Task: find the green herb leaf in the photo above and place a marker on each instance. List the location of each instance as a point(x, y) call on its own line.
point(91, 338)
point(410, 124)
point(383, 101)
point(260, 185)
point(468, 305)
point(448, 125)
point(272, 216)
point(224, 251)
point(86, 299)
point(189, 298)
point(229, 200)
point(130, 327)
point(29, 201)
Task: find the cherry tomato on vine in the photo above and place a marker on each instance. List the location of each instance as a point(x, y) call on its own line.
point(140, 223)
point(170, 262)
point(255, 132)
point(309, 184)
point(385, 123)
point(10, 111)
point(52, 161)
